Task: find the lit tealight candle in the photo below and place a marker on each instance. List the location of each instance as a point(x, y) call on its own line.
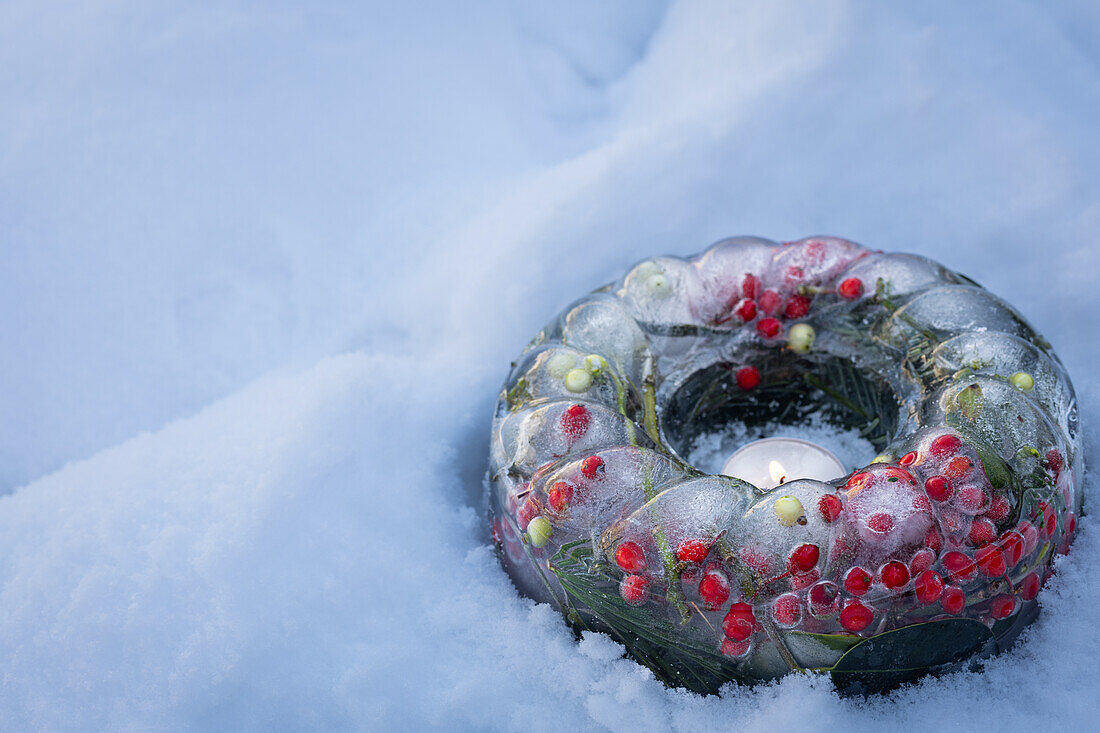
point(769, 462)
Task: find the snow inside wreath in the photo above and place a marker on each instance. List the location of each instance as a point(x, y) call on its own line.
point(929, 557)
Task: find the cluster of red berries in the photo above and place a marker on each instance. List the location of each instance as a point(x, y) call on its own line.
point(770, 308)
point(946, 568)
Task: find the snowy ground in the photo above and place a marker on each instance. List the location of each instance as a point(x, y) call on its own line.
point(263, 269)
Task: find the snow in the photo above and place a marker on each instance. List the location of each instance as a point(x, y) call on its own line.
point(264, 267)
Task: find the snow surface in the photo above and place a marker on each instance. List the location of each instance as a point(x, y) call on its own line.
point(263, 268)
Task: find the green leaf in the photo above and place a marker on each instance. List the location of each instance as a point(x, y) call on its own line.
point(887, 660)
point(518, 394)
point(970, 401)
point(818, 651)
point(996, 470)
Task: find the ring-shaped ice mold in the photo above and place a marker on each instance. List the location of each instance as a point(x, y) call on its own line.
point(932, 553)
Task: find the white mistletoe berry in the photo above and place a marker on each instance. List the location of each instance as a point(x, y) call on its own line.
point(595, 364)
point(1022, 380)
point(538, 531)
point(801, 338)
point(558, 365)
point(658, 286)
point(578, 380)
point(789, 510)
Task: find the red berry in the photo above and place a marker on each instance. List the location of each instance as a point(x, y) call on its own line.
point(823, 598)
point(714, 589)
point(1031, 536)
point(954, 600)
point(922, 560)
point(1029, 587)
point(959, 467)
point(880, 523)
point(1002, 606)
point(857, 581)
point(933, 541)
point(745, 310)
point(750, 286)
point(528, 511)
point(928, 587)
point(630, 557)
point(733, 648)
point(1012, 545)
point(981, 532)
point(560, 496)
point(739, 622)
point(787, 610)
point(748, 377)
point(971, 499)
point(803, 559)
point(692, 551)
point(797, 307)
point(894, 474)
point(858, 482)
point(756, 561)
point(990, 561)
point(592, 467)
point(1047, 525)
point(1054, 461)
point(768, 327)
point(954, 522)
point(769, 302)
point(999, 509)
point(1069, 521)
point(908, 459)
point(830, 507)
point(850, 289)
point(939, 488)
point(633, 589)
point(959, 567)
point(944, 444)
point(805, 580)
point(855, 616)
point(894, 574)
point(574, 422)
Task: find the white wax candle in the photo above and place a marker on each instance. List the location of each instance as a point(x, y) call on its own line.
point(769, 462)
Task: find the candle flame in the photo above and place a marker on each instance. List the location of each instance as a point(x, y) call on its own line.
point(779, 474)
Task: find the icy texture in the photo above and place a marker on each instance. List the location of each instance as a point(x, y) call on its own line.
point(955, 524)
point(195, 195)
point(905, 273)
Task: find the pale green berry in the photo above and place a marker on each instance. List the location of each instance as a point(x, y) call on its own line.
point(646, 269)
point(789, 510)
point(658, 286)
point(883, 458)
point(558, 365)
point(1022, 380)
point(595, 363)
point(538, 531)
point(800, 338)
point(578, 380)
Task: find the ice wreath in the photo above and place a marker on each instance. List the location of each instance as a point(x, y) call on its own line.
point(929, 557)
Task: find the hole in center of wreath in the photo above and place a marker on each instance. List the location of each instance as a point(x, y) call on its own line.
point(827, 401)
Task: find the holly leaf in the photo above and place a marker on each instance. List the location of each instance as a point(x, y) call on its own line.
point(996, 470)
point(883, 662)
point(970, 401)
point(818, 651)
